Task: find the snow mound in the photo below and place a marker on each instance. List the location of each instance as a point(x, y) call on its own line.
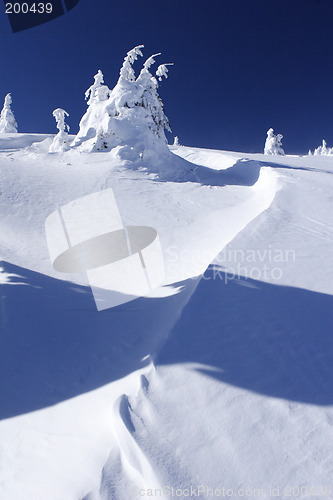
point(216, 374)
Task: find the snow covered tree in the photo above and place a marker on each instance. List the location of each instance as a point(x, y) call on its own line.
point(132, 120)
point(8, 123)
point(323, 149)
point(176, 141)
point(97, 91)
point(127, 71)
point(96, 97)
point(273, 145)
point(60, 142)
point(150, 100)
point(162, 70)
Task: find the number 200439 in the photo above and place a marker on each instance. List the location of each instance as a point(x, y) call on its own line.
point(24, 8)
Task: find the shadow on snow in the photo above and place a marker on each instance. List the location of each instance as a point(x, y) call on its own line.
point(56, 345)
point(270, 339)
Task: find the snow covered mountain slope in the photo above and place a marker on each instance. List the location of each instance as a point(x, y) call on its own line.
point(222, 378)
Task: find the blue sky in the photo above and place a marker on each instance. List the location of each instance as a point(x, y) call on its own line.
point(241, 66)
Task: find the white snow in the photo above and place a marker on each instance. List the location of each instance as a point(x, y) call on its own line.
point(214, 381)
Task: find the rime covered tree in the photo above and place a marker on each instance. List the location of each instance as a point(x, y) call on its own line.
point(149, 98)
point(8, 123)
point(127, 71)
point(98, 91)
point(273, 145)
point(323, 149)
point(96, 96)
point(60, 141)
point(132, 119)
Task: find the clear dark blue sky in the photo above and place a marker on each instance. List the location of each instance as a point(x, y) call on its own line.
point(241, 66)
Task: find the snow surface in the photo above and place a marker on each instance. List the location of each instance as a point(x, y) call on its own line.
point(215, 380)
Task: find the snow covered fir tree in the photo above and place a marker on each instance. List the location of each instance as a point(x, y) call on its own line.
point(60, 142)
point(322, 150)
point(130, 119)
point(95, 96)
point(8, 124)
point(273, 144)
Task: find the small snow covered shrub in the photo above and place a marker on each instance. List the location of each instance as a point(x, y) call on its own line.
point(273, 145)
point(8, 123)
point(129, 119)
point(323, 149)
point(60, 142)
point(176, 141)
